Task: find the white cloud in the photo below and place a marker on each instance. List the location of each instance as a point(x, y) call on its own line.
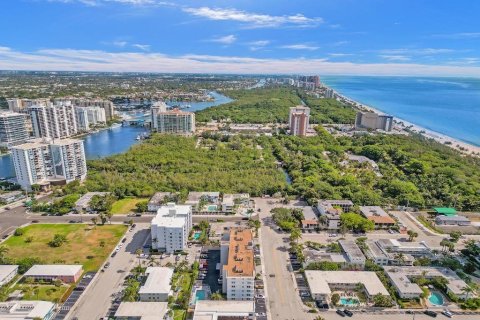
point(254, 20)
point(144, 47)
point(258, 45)
point(340, 54)
point(299, 46)
point(96, 60)
point(416, 51)
point(460, 35)
point(395, 57)
point(119, 43)
point(225, 39)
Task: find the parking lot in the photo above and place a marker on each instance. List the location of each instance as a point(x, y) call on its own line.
point(75, 295)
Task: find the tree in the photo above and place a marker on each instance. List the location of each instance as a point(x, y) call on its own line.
point(380, 300)
point(18, 232)
point(468, 290)
point(455, 236)
point(142, 206)
point(400, 257)
point(412, 235)
point(204, 225)
point(138, 252)
point(94, 220)
point(58, 240)
point(216, 296)
point(356, 222)
point(295, 235)
point(335, 299)
point(3, 253)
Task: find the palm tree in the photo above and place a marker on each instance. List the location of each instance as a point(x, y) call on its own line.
point(411, 235)
point(138, 252)
point(400, 257)
point(468, 290)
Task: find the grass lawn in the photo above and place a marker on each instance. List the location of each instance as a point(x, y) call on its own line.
point(45, 292)
point(126, 205)
point(82, 247)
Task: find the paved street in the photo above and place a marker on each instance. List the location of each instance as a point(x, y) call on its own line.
point(97, 299)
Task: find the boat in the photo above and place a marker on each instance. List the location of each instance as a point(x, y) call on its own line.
point(115, 125)
point(137, 138)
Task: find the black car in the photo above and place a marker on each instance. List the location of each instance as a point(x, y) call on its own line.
point(340, 313)
point(348, 312)
point(430, 313)
point(123, 240)
point(114, 254)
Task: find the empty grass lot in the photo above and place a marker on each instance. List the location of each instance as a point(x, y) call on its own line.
point(43, 292)
point(125, 206)
point(84, 244)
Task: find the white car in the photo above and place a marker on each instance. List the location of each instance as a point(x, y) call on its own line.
point(260, 296)
point(447, 313)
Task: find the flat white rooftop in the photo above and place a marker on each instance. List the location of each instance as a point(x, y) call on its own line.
point(158, 280)
point(212, 310)
point(319, 281)
point(142, 310)
point(6, 270)
point(25, 309)
point(53, 270)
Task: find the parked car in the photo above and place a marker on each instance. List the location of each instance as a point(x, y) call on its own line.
point(447, 313)
point(106, 265)
point(348, 312)
point(430, 313)
point(340, 313)
point(123, 240)
point(35, 221)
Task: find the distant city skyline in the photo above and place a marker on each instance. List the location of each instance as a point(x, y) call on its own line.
point(371, 37)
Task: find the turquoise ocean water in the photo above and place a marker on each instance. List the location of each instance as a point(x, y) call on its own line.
point(450, 106)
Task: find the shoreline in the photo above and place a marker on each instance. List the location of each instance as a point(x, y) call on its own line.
point(409, 127)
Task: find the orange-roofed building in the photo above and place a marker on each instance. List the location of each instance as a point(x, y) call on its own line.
point(238, 265)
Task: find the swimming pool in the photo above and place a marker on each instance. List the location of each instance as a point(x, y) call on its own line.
point(197, 235)
point(349, 301)
point(436, 298)
point(212, 208)
point(200, 294)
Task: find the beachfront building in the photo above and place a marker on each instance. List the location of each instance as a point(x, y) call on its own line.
point(13, 129)
point(401, 279)
point(67, 273)
point(376, 214)
point(170, 227)
point(224, 309)
point(44, 162)
point(83, 204)
point(322, 284)
point(353, 253)
point(372, 120)
point(157, 286)
point(172, 121)
point(27, 310)
point(298, 120)
point(238, 266)
point(7, 273)
point(157, 200)
point(54, 121)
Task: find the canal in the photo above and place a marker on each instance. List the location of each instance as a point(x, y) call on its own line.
point(114, 140)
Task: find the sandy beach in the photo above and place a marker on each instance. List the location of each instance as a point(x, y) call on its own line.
point(407, 127)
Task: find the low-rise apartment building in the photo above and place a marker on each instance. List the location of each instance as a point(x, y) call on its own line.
point(157, 286)
point(393, 252)
point(67, 273)
point(353, 253)
point(27, 310)
point(83, 204)
point(225, 310)
point(158, 200)
point(170, 227)
point(401, 279)
point(204, 201)
point(452, 220)
point(376, 214)
point(238, 266)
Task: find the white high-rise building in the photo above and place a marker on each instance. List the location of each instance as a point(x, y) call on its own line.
point(172, 121)
point(89, 116)
point(238, 265)
point(13, 129)
point(170, 227)
point(54, 121)
point(21, 105)
point(45, 162)
point(107, 105)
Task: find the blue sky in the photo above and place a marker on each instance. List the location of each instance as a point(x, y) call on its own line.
point(400, 37)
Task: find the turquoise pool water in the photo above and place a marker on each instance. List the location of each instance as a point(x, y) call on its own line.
point(349, 301)
point(199, 295)
point(212, 208)
point(197, 235)
point(436, 299)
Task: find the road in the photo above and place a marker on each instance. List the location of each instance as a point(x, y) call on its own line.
point(97, 298)
point(282, 297)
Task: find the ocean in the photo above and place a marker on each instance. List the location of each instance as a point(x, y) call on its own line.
point(450, 106)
